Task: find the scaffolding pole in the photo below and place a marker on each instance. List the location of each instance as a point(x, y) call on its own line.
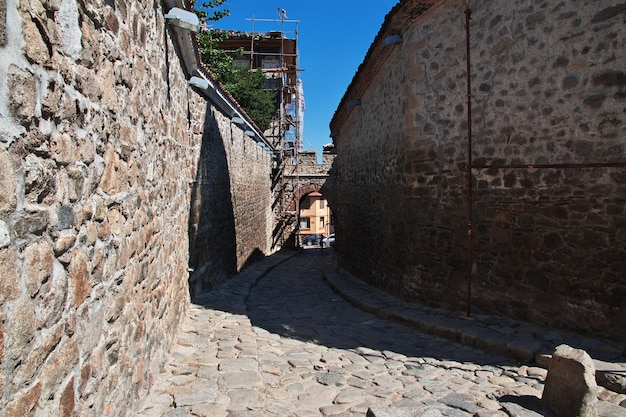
point(285, 94)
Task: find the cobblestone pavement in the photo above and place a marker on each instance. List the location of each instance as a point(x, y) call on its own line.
point(285, 344)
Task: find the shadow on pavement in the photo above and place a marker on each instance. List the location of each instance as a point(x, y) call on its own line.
point(292, 300)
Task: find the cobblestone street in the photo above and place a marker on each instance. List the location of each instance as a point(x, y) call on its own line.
point(288, 345)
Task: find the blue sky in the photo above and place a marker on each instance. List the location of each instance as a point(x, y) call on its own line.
point(333, 40)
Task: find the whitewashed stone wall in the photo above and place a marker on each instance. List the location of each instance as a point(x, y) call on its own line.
point(101, 141)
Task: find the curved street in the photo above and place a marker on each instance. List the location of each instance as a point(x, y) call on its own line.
point(283, 343)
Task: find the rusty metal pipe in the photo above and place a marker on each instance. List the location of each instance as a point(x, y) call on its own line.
point(468, 271)
point(554, 166)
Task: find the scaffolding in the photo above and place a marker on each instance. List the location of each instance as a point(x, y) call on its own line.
point(276, 54)
point(272, 47)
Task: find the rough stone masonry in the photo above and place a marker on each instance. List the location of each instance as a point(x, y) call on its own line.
point(548, 222)
point(101, 155)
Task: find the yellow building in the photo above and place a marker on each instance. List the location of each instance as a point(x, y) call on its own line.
point(315, 219)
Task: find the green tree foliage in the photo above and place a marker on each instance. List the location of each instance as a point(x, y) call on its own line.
point(246, 86)
point(248, 89)
point(215, 15)
point(218, 60)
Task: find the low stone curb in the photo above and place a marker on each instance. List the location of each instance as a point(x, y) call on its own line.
point(499, 335)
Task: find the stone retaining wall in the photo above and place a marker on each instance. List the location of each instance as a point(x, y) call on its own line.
point(548, 88)
point(102, 148)
point(231, 221)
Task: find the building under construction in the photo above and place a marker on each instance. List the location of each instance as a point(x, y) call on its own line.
point(275, 52)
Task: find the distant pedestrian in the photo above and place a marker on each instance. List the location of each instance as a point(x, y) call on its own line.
point(322, 242)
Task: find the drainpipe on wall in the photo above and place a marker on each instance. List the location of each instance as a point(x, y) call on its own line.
point(468, 270)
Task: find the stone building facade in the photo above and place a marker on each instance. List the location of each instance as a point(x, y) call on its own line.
point(548, 160)
point(116, 178)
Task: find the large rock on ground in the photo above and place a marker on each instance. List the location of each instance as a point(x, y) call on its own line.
point(570, 387)
point(606, 409)
point(611, 376)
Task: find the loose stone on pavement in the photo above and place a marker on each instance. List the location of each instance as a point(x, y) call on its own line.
point(300, 350)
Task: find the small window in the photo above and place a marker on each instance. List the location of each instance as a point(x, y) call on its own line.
point(305, 223)
point(321, 222)
point(322, 203)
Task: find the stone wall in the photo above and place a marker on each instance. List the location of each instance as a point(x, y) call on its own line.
point(231, 222)
point(307, 164)
point(306, 177)
point(549, 91)
point(102, 148)
point(299, 180)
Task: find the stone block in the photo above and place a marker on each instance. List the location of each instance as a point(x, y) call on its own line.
point(114, 179)
point(37, 50)
point(239, 364)
point(39, 175)
point(570, 386)
point(112, 94)
point(391, 411)
point(68, 106)
point(209, 409)
point(491, 413)
point(58, 366)
point(89, 84)
point(91, 233)
point(63, 244)
point(115, 307)
point(240, 380)
point(491, 341)
point(606, 409)
point(63, 149)
point(461, 402)
point(9, 284)
point(611, 376)
point(97, 265)
point(23, 97)
point(68, 19)
point(116, 220)
point(38, 263)
point(50, 99)
point(5, 238)
point(524, 349)
point(523, 406)
point(21, 325)
point(8, 199)
point(67, 403)
point(30, 365)
point(79, 278)
point(24, 402)
point(104, 231)
point(88, 212)
point(417, 73)
point(138, 372)
point(124, 76)
point(31, 223)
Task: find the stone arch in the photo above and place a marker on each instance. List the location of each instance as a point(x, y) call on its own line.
point(301, 192)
